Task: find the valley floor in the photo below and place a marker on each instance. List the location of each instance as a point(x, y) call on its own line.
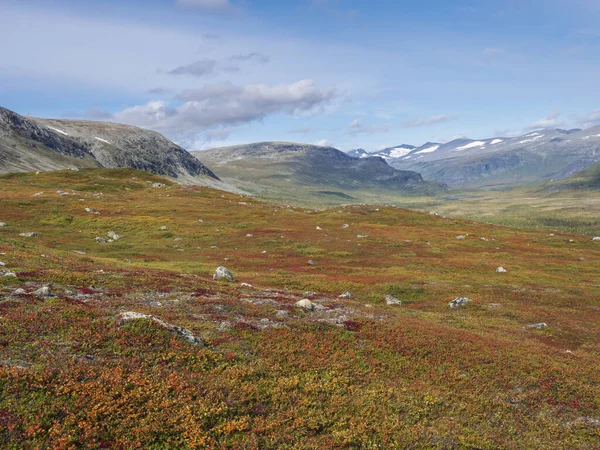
point(77, 371)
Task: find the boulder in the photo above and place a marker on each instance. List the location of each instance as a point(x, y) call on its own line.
point(389, 300)
point(461, 237)
point(459, 301)
point(223, 274)
point(10, 275)
point(305, 304)
point(596, 239)
point(312, 263)
point(2, 224)
point(2, 264)
point(30, 234)
point(346, 295)
point(44, 292)
point(19, 291)
point(501, 270)
point(101, 240)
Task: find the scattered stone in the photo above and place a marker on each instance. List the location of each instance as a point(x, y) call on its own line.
point(346, 295)
point(246, 285)
point(114, 236)
point(345, 226)
point(263, 252)
point(305, 304)
point(35, 235)
point(19, 291)
point(461, 237)
point(310, 293)
point(157, 185)
point(101, 240)
point(501, 270)
point(223, 274)
point(392, 300)
point(596, 239)
point(38, 193)
point(588, 421)
point(2, 224)
point(538, 326)
point(362, 236)
point(459, 301)
point(2, 264)
point(201, 221)
point(248, 235)
point(319, 228)
point(312, 263)
point(63, 193)
point(179, 239)
point(79, 252)
point(163, 228)
point(183, 332)
point(91, 211)
point(44, 292)
point(281, 314)
point(74, 169)
point(10, 275)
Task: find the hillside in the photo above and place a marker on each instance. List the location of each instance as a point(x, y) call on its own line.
point(29, 144)
point(500, 162)
point(134, 345)
point(586, 179)
point(296, 171)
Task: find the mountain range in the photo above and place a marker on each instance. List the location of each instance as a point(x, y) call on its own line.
point(538, 156)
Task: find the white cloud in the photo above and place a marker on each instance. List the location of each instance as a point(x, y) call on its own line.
point(426, 121)
point(208, 5)
point(225, 105)
point(357, 127)
point(323, 143)
point(550, 121)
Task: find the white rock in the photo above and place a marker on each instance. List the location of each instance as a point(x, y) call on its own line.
point(459, 301)
point(29, 234)
point(183, 332)
point(163, 228)
point(2, 224)
point(346, 295)
point(596, 239)
point(44, 291)
point(319, 228)
point(392, 300)
point(538, 326)
point(2, 264)
point(305, 304)
point(114, 236)
point(345, 226)
point(461, 237)
point(19, 291)
point(246, 285)
point(501, 270)
point(223, 274)
point(10, 275)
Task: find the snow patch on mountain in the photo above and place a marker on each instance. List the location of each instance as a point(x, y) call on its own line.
point(471, 145)
point(58, 131)
point(431, 149)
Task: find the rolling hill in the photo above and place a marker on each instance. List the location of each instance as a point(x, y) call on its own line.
point(299, 171)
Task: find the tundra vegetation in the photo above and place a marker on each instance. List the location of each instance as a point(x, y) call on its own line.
point(134, 345)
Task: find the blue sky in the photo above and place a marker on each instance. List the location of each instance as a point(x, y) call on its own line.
point(347, 73)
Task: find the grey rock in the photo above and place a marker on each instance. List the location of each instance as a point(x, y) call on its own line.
point(2, 264)
point(2, 224)
point(459, 301)
point(389, 300)
point(312, 263)
point(163, 228)
point(19, 291)
point(183, 332)
point(461, 237)
point(309, 293)
point(223, 274)
point(10, 275)
point(346, 295)
point(101, 240)
point(246, 285)
point(30, 234)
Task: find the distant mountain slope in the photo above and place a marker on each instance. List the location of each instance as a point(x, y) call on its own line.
point(29, 144)
point(586, 179)
point(288, 167)
point(535, 157)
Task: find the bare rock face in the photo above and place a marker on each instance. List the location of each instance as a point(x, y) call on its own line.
point(223, 273)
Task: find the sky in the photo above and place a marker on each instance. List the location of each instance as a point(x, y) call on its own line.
point(347, 73)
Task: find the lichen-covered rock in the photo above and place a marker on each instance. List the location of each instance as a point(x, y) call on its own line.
point(114, 236)
point(223, 274)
